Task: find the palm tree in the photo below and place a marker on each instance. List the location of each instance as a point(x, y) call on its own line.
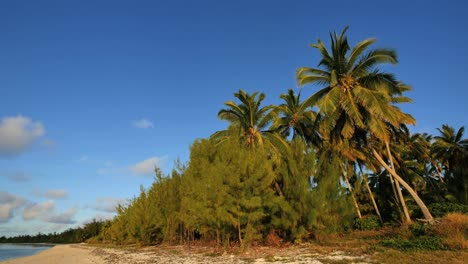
point(249, 122)
point(452, 150)
point(358, 97)
point(296, 118)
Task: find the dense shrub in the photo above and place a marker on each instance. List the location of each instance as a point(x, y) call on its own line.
point(413, 244)
point(442, 209)
point(370, 222)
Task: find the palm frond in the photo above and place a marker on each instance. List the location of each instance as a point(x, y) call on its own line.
point(372, 59)
point(358, 50)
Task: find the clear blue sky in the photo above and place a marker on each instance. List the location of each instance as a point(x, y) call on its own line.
point(94, 93)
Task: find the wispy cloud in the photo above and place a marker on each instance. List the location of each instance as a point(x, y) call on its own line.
point(48, 143)
point(17, 134)
point(9, 203)
point(142, 168)
point(99, 217)
point(143, 123)
point(83, 158)
point(146, 167)
point(35, 210)
point(107, 204)
point(56, 194)
point(62, 218)
point(17, 176)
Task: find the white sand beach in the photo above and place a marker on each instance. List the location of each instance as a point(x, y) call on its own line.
point(83, 254)
point(70, 254)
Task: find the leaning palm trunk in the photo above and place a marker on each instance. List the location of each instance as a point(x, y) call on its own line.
point(427, 215)
point(438, 171)
point(356, 206)
point(398, 189)
point(377, 211)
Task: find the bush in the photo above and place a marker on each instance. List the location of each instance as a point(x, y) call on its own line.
point(453, 228)
point(370, 222)
point(442, 209)
point(414, 244)
point(419, 229)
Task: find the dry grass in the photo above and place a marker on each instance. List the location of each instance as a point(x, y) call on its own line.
point(433, 257)
point(454, 229)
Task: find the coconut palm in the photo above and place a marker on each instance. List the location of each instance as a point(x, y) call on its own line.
point(356, 96)
point(452, 150)
point(296, 118)
point(250, 122)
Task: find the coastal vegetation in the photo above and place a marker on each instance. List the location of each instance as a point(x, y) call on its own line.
point(339, 161)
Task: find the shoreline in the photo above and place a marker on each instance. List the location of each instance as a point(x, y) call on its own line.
point(70, 253)
point(85, 254)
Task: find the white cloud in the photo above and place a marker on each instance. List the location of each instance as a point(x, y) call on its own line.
point(108, 204)
point(34, 210)
point(146, 167)
point(63, 218)
point(8, 205)
point(143, 123)
point(17, 176)
point(143, 168)
point(83, 158)
point(56, 194)
point(17, 134)
point(48, 143)
point(98, 217)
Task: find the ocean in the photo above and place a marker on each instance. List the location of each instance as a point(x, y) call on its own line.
point(11, 251)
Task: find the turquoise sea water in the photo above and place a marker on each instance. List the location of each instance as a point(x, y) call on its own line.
point(11, 251)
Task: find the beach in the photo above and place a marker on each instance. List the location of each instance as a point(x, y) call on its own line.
point(83, 254)
point(71, 254)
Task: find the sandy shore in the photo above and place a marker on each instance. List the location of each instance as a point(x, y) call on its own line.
point(82, 254)
point(71, 254)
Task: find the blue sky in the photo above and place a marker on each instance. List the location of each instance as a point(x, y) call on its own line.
point(95, 93)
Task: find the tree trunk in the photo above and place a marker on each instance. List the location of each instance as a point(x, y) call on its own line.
point(377, 211)
point(438, 171)
point(241, 243)
point(345, 176)
point(427, 215)
point(398, 188)
point(278, 189)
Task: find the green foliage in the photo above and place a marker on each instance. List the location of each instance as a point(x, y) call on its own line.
point(332, 208)
point(442, 209)
point(230, 189)
point(414, 244)
point(370, 222)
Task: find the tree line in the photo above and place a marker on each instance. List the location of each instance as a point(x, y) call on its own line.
point(71, 235)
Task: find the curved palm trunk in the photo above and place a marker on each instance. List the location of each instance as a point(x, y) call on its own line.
point(438, 171)
point(377, 211)
point(356, 206)
point(427, 215)
point(398, 188)
point(374, 203)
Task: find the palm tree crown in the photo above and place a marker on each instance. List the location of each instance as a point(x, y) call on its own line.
point(250, 122)
point(356, 94)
